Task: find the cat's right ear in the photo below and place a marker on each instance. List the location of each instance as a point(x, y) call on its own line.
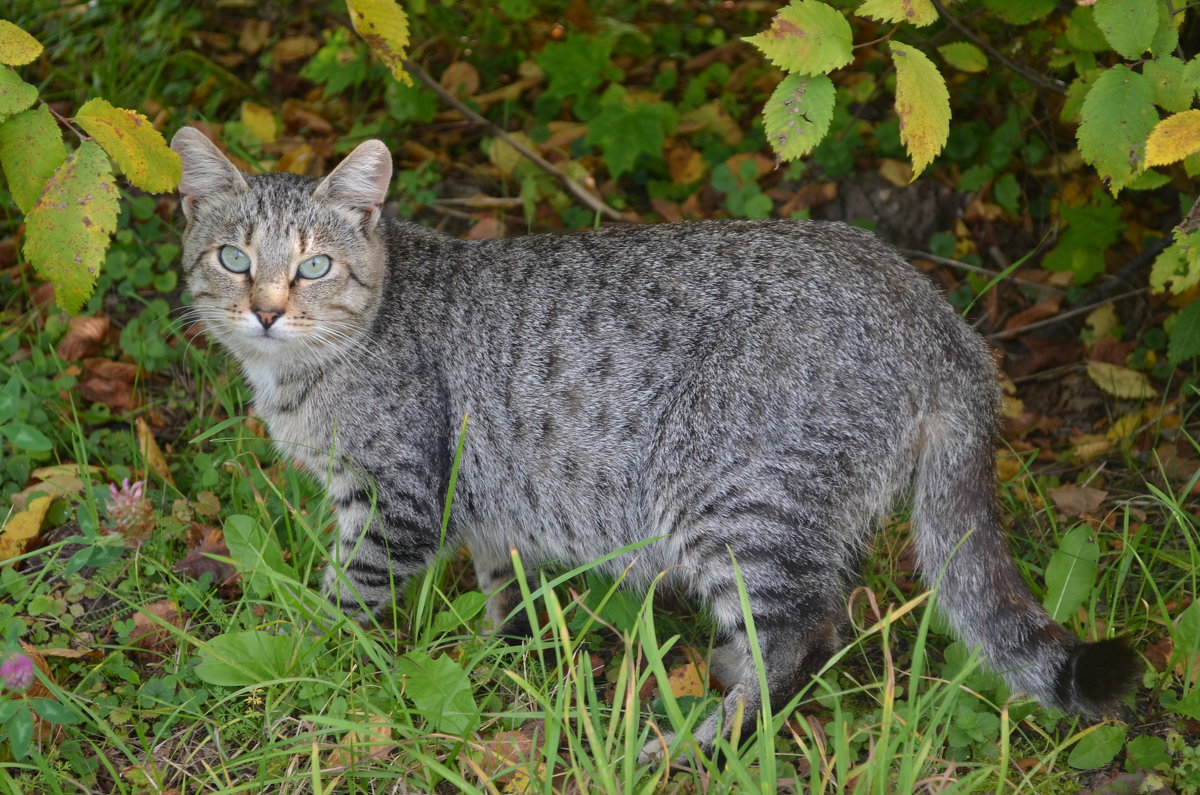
point(206, 171)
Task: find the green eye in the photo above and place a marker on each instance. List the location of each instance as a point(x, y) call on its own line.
point(234, 259)
point(315, 267)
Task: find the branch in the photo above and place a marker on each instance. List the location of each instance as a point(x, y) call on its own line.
point(1053, 321)
point(593, 202)
point(1038, 79)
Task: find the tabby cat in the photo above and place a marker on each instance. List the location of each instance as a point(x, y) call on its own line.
point(766, 390)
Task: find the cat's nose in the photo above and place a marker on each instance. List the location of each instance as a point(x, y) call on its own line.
point(268, 316)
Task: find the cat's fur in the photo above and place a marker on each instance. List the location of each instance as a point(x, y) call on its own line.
point(766, 389)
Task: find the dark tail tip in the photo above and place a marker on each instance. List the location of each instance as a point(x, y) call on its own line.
point(1095, 676)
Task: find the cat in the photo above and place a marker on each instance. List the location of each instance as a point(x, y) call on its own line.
point(764, 391)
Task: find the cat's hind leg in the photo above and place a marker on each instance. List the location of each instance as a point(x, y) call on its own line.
point(498, 580)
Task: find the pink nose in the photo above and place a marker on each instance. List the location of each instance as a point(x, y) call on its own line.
point(267, 316)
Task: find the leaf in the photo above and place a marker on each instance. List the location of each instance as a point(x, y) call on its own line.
point(66, 232)
point(1185, 334)
point(623, 131)
point(1148, 752)
point(1178, 264)
point(1173, 91)
point(20, 731)
point(1120, 381)
point(1174, 138)
point(50, 710)
point(1129, 25)
point(798, 114)
point(806, 37)
point(17, 47)
point(237, 659)
point(256, 551)
point(577, 67)
point(149, 636)
point(30, 149)
point(922, 103)
point(83, 339)
point(204, 543)
point(1071, 573)
point(1098, 747)
point(26, 437)
point(132, 142)
point(373, 741)
point(915, 12)
point(148, 448)
point(1020, 12)
point(15, 94)
point(1117, 116)
point(1074, 501)
point(441, 690)
point(260, 122)
point(689, 679)
point(964, 56)
point(383, 25)
point(22, 527)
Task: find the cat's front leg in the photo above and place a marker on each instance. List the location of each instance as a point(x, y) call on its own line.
point(496, 577)
point(383, 540)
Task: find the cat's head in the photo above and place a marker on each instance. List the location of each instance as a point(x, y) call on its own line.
point(283, 270)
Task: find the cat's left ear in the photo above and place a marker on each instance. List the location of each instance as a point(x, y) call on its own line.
point(360, 182)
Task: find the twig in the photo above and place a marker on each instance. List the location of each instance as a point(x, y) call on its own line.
point(1037, 78)
point(976, 269)
point(1079, 310)
point(581, 193)
point(481, 202)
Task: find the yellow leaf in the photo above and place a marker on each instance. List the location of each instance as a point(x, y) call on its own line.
point(55, 481)
point(131, 141)
point(1174, 138)
point(16, 46)
point(690, 679)
point(150, 451)
point(1120, 381)
point(922, 103)
point(916, 12)
point(384, 26)
point(1125, 426)
point(260, 122)
point(1103, 321)
point(22, 527)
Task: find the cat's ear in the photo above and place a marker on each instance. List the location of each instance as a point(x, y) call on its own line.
point(360, 182)
point(206, 171)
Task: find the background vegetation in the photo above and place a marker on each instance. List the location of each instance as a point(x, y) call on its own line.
point(159, 633)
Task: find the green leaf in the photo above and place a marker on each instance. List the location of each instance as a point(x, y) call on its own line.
point(1098, 747)
point(964, 56)
point(1178, 265)
point(66, 232)
point(1071, 573)
point(623, 131)
point(1172, 91)
point(256, 551)
point(31, 147)
point(1129, 25)
point(1189, 705)
point(17, 47)
point(237, 659)
point(15, 94)
point(797, 115)
point(1020, 12)
point(20, 731)
point(338, 65)
point(1118, 115)
point(441, 690)
point(26, 437)
point(922, 103)
point(383, 25)
point(577, 67)
point(132, 142)
point(1185, 334)
point(915, 12)
point(1148, 752)
point(51, 710)
point(1166, 37)
point(1082, 31)
point(807, 37)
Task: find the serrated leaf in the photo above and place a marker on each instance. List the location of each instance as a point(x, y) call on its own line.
point(15, 94)
point(66, 232)
point(1082, 31)
point(575, 68)
point(807, 37)
point(1167, 76)
point(1071, 573)
point(1117, 116)
point(1174, 138)
point(31, 147)
point(964, 56)
point(1178, 265)
point(623, 131)
point(1120, 381)
point(383, 25)
point(922, 103)
point(914, 12)
point(17, 47)
point(1129, 25)
point(797, 115)
point(1098, 747)
point(1020, 12)
point(1185, 334)
point(1166, 37)
point(135, 146)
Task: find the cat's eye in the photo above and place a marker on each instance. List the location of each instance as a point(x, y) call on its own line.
point(315, 267)
point(234, 259)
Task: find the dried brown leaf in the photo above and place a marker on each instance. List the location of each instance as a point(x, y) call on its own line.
point(149, 637)
point(1075, 501)
point(84, 337)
